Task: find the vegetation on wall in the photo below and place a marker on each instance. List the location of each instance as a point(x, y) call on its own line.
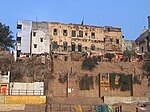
point(128, 54)
point(122, 81)
point(89, 63)
point(146, 68)
point(109, 56)
point(147, 55)
point(86, 82)
point(63, 78)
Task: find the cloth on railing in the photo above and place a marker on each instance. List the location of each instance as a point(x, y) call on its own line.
point(101, 108)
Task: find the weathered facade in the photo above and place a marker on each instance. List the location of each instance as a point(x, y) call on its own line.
point(40, 39)
point(128, 45)
point(75, 37)
point(44, 37)
point(143, 40)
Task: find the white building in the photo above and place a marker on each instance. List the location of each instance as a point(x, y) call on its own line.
point(23, 36)
point(40, 38)
point(32, 38)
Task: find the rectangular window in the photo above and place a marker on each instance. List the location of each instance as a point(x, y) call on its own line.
point(35, 45)
point(73, 33)
point(111, 40)
point(86, 34)
point(19, 26)
point(55, 32)
point(86, 47)
point(93, 35)
point(19, 39)
point(18, 53)
point(34, 34)
point(41, 39)
point(108, 29)
point(54, 45)
point(80, 33)
point(104, 39)
point(65, 33)
point(117, 41)
point(142, 49)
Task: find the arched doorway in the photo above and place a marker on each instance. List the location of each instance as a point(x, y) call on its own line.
point(79, 47)
point(73, 46)
point(65, 45)
point(93, 47)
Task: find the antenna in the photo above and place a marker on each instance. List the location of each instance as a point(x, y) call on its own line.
point(82, 23)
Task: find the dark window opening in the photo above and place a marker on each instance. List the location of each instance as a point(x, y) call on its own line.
point(55, 32)
point(142, 49)
point(55, 57)
point(86, 34)
point(104, 39)
point(34, 33)
point(66, 58)
point(41, 39)
point(18, 53)
point(4, 73)
point(65, 46)
point(54, 45)
point(19, 26)
point(79, 48)
point(80, 33)
point(18, 39)
point(108, 29)
point(93, 35)
point(117, 41)
point(65, 33)
point(73, 47)
point(86, 48)
point(111, 40)
point(92, 47)
point(73, 33)
point(35, 45)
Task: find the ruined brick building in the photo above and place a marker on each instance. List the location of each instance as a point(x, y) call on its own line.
point(44, 37)
point(143, 41)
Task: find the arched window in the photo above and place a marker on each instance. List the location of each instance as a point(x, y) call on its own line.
point(92, 47)
point(54, 45)
point(65, 45)
point(73, 46)
point(79, 47)
point(55, 31)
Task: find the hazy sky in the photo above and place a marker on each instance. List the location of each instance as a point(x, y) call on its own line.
point(130, 15)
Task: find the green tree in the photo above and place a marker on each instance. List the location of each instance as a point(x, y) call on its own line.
point(146, 68)
point(128, 54)
point(89, 63)
point(147, 55)
point(6, 37)
point(109, 56)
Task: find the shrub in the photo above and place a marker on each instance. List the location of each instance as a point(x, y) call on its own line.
point(63, 78)
point(146, 67)
point(128, 54)
point(147, 55)
point(109, 56)
point(89, 63)
point(123, 82)
point(86, 83)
